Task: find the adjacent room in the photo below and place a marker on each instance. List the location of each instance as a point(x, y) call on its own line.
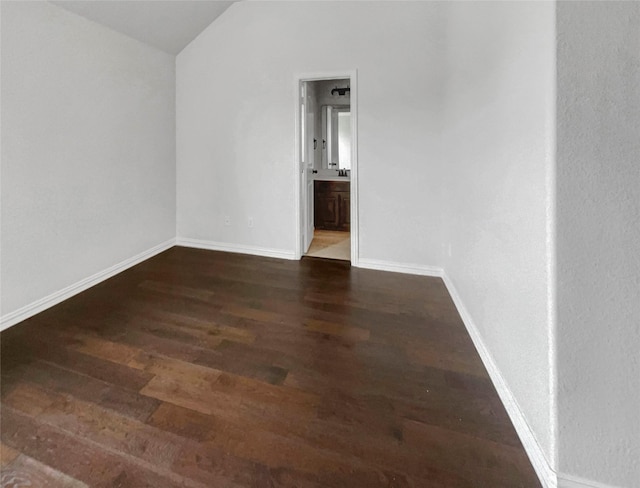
point(320, 244)
point(325, 131)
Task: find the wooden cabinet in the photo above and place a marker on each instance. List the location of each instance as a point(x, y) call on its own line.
point(344, 219)
point(332, 205)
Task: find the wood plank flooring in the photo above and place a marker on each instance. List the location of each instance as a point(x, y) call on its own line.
point(206, 369)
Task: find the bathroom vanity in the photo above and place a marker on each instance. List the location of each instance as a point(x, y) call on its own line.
point(332, 205)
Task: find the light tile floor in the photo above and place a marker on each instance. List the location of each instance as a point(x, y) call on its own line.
point(330, 244)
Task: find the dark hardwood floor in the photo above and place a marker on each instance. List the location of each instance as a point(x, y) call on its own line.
point(205, 369)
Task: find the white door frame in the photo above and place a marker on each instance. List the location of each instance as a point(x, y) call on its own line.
point(297, 166)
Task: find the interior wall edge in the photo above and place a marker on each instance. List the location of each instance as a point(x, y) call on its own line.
point(54, 298)
point(551, 232)
point(541, 465)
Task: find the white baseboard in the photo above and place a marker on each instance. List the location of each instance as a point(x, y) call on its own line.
point(416, 269)
point(49, 301)
point(568, 481)
point(545, 472)
point(236, 248)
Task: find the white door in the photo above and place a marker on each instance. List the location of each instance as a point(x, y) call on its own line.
point(311, 148)
point(307, 156)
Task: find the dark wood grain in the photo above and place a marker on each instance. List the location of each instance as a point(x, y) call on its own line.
point(331, 206)
point(206, 369)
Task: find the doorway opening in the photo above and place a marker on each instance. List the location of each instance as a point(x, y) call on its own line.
point(326, 169)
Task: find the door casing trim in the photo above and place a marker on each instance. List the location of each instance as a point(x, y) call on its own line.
point(298, 79)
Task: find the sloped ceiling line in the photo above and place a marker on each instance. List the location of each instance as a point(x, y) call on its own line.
point(168, 25)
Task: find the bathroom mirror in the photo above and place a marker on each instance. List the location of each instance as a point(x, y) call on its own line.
point(336, 137)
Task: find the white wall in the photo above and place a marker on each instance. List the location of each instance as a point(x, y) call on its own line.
point(599, 241)
point(498, 154)
point(236, 114)
point(88, 150)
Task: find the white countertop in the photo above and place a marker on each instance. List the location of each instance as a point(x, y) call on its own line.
point(331, 178)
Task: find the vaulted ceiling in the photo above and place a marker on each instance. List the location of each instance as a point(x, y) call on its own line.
point(168, 25)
